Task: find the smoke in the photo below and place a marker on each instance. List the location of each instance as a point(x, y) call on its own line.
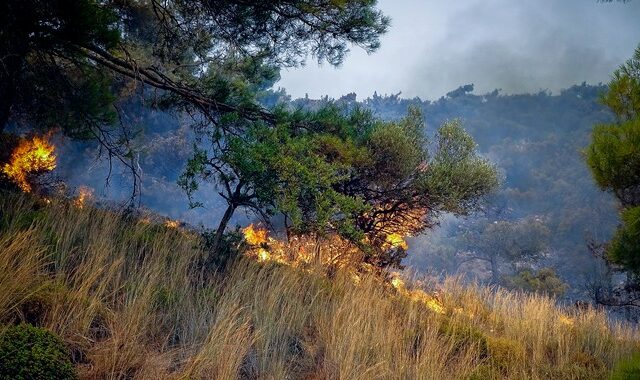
point(433, 47)
point(161, 148)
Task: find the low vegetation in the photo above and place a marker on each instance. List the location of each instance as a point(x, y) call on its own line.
point(127, 298)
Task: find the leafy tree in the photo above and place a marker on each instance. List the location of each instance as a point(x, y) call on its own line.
point(324, 170)
point(178, 47)
point(46, 80)
point(331, 172)
point(614, 159)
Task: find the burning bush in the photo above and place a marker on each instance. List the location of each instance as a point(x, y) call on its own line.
point(30, 157)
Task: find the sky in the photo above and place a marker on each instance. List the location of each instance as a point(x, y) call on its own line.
point(434, 46)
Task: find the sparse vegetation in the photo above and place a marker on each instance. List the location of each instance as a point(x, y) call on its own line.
point(125, 296)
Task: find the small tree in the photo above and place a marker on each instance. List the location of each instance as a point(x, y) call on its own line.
point(331, 172)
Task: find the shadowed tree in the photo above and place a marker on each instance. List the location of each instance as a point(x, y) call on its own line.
point(175, 46)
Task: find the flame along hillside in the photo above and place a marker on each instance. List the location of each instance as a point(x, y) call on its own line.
point(333, 254)
point(126, 298)
point(36, 155)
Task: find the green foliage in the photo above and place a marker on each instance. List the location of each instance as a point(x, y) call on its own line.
point(623, 97)
point(339, 171)
point(614, 159)
point(48, 80)
point(72, 64)
point(457, 177)
point(624, 248)
point(28, 352)
point(464, 336)
point(543, 281)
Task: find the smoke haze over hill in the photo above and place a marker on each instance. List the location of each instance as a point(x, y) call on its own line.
point(519, 47)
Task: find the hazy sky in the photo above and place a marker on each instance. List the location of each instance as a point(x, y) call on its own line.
point(434, 46)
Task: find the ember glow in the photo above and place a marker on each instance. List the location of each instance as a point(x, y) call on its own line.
point(30, 157)
point(301, 251)
point(85, 194)
point(417, 295)
point(396, 241)
point(172, 223)
point(304, 252)
point(255, 236)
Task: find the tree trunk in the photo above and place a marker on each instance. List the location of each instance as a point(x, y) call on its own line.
point(217, 239)
point(495, 270)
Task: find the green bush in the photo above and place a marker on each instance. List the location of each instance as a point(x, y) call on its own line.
point(28, 352)
point(544, 281)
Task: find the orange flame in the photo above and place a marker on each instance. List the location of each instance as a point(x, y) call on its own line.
point(29, 157)
point(171, 223)
point(254, 236)
point(417, 295)
point(85, 194)
point(396, 241)
point(296, 253)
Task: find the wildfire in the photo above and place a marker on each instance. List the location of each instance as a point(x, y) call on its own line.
point(30, 157)
point(302, 251)
point(254, 236)
point(396, 241)
point(263, 255)
point(417, 295)
point(397, 283)
point(85, 194)
point(171, 223)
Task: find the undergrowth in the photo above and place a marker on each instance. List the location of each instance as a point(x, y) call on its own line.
point(128, 299)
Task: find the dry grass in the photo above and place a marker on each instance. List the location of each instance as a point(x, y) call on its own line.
point(125, 296)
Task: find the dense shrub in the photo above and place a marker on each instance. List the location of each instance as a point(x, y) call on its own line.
point(544, 281)
point(28, 352)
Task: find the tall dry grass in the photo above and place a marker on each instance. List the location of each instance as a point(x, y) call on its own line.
point(127, 298)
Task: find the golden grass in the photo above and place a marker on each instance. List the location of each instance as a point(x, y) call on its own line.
point(126, 297)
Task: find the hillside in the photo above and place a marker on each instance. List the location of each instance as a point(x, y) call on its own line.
point(525, 136)
point(128, 298)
